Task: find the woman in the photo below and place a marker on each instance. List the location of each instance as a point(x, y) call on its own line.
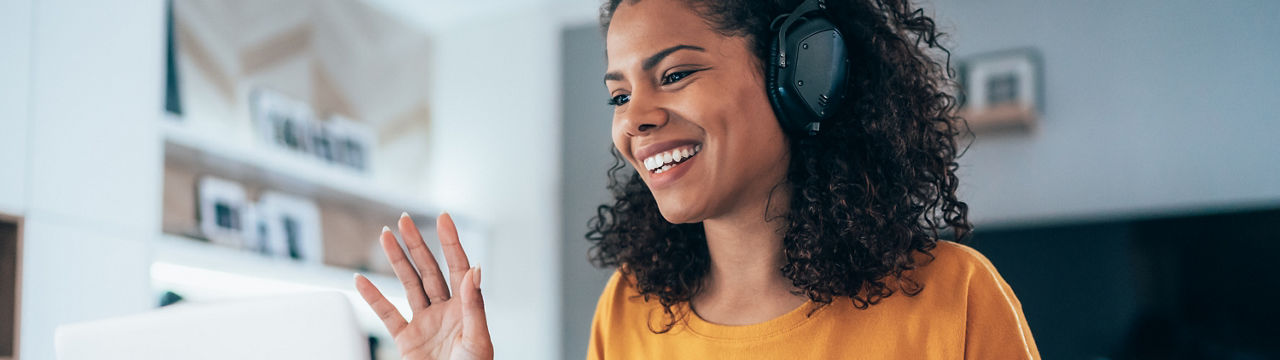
point(742, 235)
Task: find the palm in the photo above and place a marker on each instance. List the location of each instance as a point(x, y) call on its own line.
point(431, 334)
point(442, 326)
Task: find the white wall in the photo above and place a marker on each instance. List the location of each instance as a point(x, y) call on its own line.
point(15, 91)
point(586, 160)
point(92, 200)
point(1151, 107)
point(495, 136)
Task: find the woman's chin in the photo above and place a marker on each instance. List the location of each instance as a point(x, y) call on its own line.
point(680, 213)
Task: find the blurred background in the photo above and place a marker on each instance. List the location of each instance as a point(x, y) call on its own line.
point(1124, 174)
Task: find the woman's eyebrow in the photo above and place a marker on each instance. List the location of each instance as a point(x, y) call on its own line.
point(653, 60)
point(657, 58)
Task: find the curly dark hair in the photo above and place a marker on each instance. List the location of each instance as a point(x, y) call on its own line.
point(876, 185)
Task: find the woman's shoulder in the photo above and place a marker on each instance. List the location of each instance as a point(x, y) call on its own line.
point(955, 272)
point(993, 313)
point(963, 271)
point(621, 304)
point(620, 291)
point(950, 258)
point(623, 294)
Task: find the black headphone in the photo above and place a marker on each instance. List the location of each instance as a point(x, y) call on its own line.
point(806, 70)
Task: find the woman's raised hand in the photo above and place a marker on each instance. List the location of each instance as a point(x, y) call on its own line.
point(443, 326)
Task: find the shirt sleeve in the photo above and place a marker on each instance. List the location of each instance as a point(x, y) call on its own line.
point(600, 322)
point(995, 327)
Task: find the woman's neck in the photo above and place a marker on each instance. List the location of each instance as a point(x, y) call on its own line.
point(744, 284)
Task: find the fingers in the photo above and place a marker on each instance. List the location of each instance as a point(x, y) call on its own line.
point(475, 329)
point(404, 271)
point(428, 268)
point(453, 254)
point(391, 317)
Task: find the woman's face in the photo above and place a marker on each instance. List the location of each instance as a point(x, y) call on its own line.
point(691, 112)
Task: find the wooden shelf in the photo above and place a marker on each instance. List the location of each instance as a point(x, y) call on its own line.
point(276, 168)
point(201, 271)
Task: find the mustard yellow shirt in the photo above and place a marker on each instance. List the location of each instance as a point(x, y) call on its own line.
point(966, 311)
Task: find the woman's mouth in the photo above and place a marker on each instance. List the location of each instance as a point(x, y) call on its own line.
point(661, 162)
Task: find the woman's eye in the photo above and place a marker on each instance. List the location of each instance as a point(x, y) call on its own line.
point(675, 76)
point(619, 100)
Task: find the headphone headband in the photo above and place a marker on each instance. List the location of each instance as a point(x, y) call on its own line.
point(801, 10)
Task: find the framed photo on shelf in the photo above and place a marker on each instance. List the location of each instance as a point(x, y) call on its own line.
point(282, 121)
point(292, 125)
point(292, 227)
point(1001, 90)
point(222, 211)
point(351, 142)
point(255, 238)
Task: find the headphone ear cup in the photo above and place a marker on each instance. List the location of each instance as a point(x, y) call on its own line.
point(815, 54)
point(812, 86)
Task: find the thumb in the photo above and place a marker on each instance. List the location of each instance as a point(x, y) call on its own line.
point(475, 329)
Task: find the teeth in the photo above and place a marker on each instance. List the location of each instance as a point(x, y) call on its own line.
point(662, 162)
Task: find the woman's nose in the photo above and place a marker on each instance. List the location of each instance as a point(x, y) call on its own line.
point(645, 115)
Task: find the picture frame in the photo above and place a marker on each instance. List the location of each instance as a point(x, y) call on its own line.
point(292, 125)
point(257, 231)
point(351, 142)
point(292, 227)
point(282, 121)
point(222, 211)
point(1001, 90)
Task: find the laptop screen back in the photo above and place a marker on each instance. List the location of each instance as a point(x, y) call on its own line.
point(312, 326)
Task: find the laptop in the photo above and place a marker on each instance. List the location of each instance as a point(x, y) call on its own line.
point(312, 326)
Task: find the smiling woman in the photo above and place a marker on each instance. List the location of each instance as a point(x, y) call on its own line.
point(739, 236)
point(784, 168)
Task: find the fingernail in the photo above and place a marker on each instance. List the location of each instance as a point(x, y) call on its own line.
point(386, 229)
point(404, 214)
point(475, 278)
point(355, 275)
